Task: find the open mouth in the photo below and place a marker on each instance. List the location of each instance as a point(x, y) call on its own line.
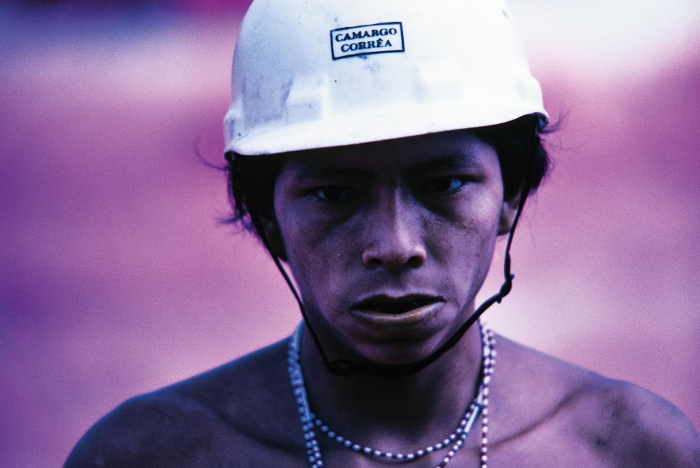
point(397, 306)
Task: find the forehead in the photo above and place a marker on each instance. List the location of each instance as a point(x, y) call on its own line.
point(461, 148)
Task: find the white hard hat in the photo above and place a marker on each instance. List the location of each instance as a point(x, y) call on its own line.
point(322, 73)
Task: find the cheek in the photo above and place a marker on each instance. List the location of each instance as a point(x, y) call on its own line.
point(319, 256)
point(476, 216)
point(464, 243)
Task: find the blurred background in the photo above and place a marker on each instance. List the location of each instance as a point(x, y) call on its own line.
point(116, 277)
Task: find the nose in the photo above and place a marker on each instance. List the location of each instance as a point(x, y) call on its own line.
point(395, 235)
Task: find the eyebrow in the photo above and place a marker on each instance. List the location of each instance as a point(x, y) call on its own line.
point(453, 160)
point(325, 171)
point(446, 160)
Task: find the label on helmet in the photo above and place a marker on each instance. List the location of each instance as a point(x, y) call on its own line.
point(368, 39)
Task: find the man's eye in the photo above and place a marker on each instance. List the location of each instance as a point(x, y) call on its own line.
point(445, 184)
point(333, 193)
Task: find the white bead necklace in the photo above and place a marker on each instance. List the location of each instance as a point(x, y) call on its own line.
point(454, 441)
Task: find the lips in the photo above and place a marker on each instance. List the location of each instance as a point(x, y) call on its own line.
point(398, 312)
point(395, 305)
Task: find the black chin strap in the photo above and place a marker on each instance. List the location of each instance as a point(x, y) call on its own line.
point(346, 367)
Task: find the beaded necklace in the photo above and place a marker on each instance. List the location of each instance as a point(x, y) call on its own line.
point(455, 441)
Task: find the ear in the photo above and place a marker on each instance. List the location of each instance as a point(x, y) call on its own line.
point(508, 212)
point(274, 236)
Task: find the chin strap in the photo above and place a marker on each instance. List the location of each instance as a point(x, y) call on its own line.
point(346, 367)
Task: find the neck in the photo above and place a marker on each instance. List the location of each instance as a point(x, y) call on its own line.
point(410, 409)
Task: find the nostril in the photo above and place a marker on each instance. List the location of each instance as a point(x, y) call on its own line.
point(394, 258)
point(370, 260)
point(415, 261)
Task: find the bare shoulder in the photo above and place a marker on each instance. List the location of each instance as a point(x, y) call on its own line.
point(230, 415)
point(632, 426)
point(603, 421)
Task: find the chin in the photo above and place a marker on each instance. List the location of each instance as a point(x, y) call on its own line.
point(398, 346)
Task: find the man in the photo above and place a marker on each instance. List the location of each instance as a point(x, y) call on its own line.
point(379, 148)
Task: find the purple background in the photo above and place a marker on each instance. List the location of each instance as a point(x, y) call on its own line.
point(116, 279)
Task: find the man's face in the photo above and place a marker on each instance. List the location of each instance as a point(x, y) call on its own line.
point(389, 242)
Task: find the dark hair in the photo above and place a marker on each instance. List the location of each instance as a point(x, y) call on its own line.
point(518, 143)
point(521, 152)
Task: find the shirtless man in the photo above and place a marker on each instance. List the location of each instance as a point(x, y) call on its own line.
point(379, 148)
